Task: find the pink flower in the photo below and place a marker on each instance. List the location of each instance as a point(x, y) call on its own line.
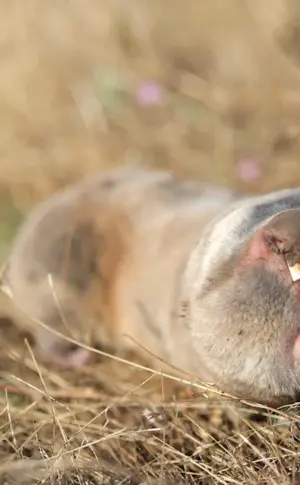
point(149, 93)
point(249, 170)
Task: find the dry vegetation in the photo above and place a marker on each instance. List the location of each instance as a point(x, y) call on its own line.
point(208, 90)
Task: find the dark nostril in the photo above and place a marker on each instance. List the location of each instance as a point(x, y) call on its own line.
point(282, 246)
point(275, 244)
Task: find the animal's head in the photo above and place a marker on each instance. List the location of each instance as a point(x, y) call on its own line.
point(245, 305)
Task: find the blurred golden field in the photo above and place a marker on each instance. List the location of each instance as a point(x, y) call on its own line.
point(73, 75)
point(210, 90)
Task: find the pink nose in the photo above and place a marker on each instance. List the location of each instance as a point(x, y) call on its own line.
point(296, 350)
point(278, 237)
point(283, 233)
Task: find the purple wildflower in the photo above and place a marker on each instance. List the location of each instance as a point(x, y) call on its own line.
point(149, 93)
point(249, 170)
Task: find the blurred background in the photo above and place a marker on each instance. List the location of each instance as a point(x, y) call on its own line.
point(208, 89)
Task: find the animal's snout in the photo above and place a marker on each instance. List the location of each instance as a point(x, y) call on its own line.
point(282, 234)
point(277, 245)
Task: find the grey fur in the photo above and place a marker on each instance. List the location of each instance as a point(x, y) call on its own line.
point(231, 324)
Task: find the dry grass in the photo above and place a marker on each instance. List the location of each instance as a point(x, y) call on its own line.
point(74, 98)
point(111, 422)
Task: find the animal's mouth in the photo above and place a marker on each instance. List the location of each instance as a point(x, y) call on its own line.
point(293, 277)
point(294, 271)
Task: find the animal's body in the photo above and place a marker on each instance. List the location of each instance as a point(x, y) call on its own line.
point(197, 276)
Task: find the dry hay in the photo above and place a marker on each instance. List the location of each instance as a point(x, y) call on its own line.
point(112, 422)
point(194, 86)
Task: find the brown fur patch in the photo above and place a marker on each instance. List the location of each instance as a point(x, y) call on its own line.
point(82, 250)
